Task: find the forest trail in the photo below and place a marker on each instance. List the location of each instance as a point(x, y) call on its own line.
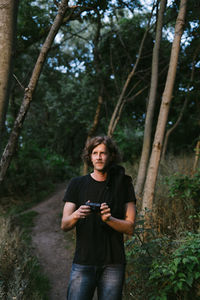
point(53, 248)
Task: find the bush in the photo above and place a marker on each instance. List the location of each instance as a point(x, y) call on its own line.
point(177, 276)
point(161, 268)
point(20, 274)
point(177, 196)
point(140, 254)
point(184, 191)
point(35, 168)
point(32, 175)
point(186, 188)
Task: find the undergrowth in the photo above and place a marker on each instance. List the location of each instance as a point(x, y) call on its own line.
point(162, 267)
point(32, 176)
point(163, 262)
point(20, 273)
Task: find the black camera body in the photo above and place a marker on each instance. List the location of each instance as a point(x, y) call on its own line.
point(95, 207)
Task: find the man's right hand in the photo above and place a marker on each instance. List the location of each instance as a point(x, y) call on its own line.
point(82, 212)
point(71, 215)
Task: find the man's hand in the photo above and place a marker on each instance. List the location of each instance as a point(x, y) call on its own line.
point(82, 212)
point(105, 212)
point(125, 225)
point(71, 215)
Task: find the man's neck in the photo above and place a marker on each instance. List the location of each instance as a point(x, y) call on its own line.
point(99, 176)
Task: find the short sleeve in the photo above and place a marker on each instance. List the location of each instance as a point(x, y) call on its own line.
point(71, 194)
point(129, 191)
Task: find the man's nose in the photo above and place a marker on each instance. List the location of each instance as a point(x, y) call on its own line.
point(99, 155)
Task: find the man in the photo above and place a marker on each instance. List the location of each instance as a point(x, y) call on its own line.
point(99, 260)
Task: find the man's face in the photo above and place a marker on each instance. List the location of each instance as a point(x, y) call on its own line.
point(100, 157)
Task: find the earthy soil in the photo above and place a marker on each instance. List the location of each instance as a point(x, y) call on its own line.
point(53, 247)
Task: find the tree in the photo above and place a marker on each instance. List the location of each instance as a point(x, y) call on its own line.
point(11, 145)
point(152, 172)
point(151, 105)
point(8, 17)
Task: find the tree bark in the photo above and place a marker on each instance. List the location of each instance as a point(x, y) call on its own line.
point(8, 17)
point(151, 105)
point(197, 153)
point(150, 182)
point(11, 145)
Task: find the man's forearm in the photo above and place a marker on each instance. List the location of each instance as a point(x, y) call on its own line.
point(68, 222)
point(123, 226)
point(71, 216)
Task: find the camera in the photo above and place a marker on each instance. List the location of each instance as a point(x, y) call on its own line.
point(95, 207)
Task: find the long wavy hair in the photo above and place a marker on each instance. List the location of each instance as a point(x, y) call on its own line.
point(114, 155)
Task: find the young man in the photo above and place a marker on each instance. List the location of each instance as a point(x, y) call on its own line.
point(99, 260)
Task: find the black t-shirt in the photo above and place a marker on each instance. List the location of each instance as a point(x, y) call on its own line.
point(96, 242)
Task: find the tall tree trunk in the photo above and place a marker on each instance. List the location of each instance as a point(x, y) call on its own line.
point(121, 101)
point(11, 145)
point(151, 105)
point(8, 17)
point(150, 182)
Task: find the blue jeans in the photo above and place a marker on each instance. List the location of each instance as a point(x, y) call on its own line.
point(107, 279)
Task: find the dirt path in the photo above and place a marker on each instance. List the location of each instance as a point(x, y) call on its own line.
point(53, 247)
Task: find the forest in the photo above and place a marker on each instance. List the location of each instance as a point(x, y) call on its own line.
point(70, 70)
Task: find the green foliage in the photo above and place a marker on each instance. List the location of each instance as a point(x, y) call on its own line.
point(24, 221)
point(161, 267)
point(140, 254)
point(177, 275)
point(33, 175)
point(129, 141)
point(185, 188)
point(20, 274)
point(33, 23)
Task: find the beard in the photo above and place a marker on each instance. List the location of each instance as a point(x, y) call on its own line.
point(101, 166)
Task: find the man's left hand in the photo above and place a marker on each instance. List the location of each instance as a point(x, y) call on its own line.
point(105, 212)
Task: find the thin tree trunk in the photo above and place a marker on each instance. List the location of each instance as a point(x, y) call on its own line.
point(151, 105)
point(8, 17)
point(150, 183)
point(121, 101)
point(11, 145)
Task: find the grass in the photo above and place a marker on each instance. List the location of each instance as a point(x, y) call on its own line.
point(20, 273)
